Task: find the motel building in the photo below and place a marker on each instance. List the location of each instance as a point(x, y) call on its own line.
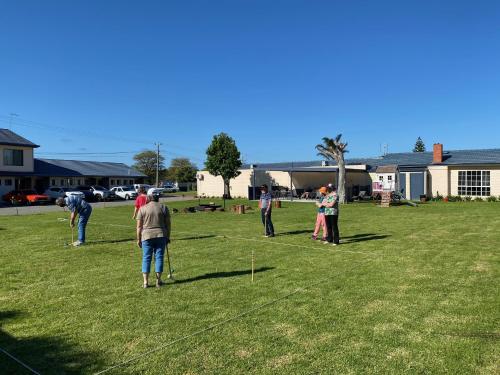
point(19, 169)
point(414, 174)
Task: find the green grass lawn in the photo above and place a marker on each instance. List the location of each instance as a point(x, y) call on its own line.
point(410, 290)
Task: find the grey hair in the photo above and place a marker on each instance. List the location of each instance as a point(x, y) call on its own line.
point(60, 202)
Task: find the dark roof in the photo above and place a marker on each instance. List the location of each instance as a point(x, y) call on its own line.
point(76, 168)
point(387, 169)
point(63, 168)
point(403, 159)
point(8, 137)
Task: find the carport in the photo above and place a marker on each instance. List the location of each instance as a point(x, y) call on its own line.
point(301, 179)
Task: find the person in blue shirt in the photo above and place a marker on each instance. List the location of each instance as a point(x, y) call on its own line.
point(265, 204)
point(77, 206)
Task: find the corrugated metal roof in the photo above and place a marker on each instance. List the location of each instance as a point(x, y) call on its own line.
point(8, 137)
point(63, 168)
point(404, 159)
point(76, 168)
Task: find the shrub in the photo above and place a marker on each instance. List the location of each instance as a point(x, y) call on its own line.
point(491, 198)
point(438, 197)
point(458, 198)
point(467, 198)
point(478, 199)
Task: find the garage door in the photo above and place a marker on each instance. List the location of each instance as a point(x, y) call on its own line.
point(416, 185)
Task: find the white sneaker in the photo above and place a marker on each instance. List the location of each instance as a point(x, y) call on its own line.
point(77, 243)
point(334, 244)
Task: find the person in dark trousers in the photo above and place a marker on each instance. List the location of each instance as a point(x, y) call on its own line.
point(331, 204)
point(265, 205)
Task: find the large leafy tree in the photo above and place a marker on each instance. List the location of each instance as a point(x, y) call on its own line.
point(419, 145)
point(145, 162)
point(334, 149)
point(181, 170)
point(223, 159)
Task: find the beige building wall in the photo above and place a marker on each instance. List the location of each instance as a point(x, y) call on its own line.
point(27, 159)
point(494, 177)
point(211, 186)
point(439, 180)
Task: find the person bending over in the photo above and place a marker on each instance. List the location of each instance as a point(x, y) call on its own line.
point(77, 206)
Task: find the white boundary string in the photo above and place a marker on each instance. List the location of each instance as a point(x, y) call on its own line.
point(270, 242)
point(221, 323)
point(19, 361)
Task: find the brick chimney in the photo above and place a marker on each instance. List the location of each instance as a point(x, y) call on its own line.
point(438, 153)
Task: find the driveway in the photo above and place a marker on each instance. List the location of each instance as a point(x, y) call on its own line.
point(31, 210)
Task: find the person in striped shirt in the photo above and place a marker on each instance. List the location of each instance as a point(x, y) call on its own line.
point(77, 206)
point(265, 205)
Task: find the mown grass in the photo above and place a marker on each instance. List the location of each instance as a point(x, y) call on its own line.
point(411, 290)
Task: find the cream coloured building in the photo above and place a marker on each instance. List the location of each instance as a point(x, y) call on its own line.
point(460, 172)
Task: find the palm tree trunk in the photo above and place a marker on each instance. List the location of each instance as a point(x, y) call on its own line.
point(341, 181)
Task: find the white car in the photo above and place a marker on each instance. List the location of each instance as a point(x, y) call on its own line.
point(61, 192)
point(138, 186)
point(156, 191)
point(169, 188)
point(124, 192)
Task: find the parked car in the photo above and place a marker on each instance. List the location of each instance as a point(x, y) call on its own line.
point(170, 188)
point(60, 192)
point(138, 186)
point(25, 197)
point(89, 194)
point(100, 192)
point(124, 192)
point(156, 191)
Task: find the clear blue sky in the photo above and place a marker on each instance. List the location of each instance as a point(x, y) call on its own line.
point(276, 75)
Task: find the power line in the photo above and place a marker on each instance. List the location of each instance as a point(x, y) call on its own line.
point(44, 126)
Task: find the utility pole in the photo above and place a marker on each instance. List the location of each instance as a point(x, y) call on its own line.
point(158, 164)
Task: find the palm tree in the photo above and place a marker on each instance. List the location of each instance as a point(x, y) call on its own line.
point(334, 149)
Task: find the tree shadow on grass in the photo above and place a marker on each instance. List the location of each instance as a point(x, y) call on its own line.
point(218, 275)
point(46, 355)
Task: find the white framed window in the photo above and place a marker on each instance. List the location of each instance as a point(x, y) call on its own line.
point(381, 178)
point(474, 183)
point(389, 178)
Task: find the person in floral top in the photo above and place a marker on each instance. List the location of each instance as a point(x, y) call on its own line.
point(331, 204)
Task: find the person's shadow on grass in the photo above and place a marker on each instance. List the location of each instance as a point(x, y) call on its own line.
point(47, 355)
point(218, 275)
point(361, 237)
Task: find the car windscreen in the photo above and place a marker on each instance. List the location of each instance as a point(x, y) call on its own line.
point(97, 187)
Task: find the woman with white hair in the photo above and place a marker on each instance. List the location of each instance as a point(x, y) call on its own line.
point(153, 235)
